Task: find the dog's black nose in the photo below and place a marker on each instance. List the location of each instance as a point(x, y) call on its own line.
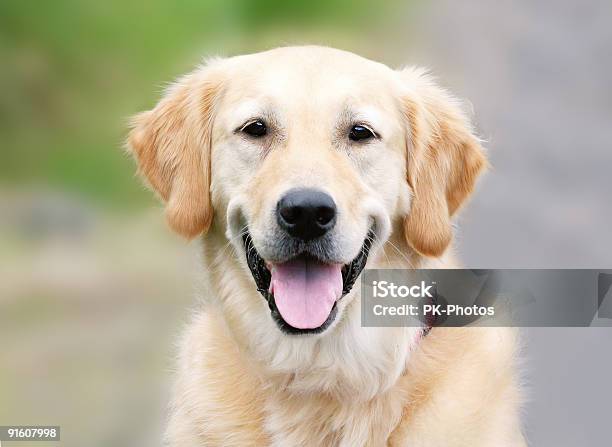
point(306, 213)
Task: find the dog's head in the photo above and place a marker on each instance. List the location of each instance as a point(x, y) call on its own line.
point(308, 157)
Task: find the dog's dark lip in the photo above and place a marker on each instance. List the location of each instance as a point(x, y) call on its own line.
point(262, 277)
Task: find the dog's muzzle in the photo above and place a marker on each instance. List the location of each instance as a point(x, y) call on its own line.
point(313, 307)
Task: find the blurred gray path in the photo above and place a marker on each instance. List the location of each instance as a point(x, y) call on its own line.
point(539, 77)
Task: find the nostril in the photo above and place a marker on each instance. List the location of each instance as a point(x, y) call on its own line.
point(325, 214)
point(290, 214)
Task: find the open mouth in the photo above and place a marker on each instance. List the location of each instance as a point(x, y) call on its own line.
point(303, 293)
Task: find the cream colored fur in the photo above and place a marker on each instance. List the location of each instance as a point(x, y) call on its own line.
point(240, 380)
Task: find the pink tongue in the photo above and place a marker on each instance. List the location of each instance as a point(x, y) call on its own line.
point(305, 291)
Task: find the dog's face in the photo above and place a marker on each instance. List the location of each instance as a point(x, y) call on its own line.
point(309, 157)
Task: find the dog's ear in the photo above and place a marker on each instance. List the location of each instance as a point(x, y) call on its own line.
point(444, 160)
point(172, 146)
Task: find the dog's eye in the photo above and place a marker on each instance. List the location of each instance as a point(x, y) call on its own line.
point(255, 129)
point(359, 133)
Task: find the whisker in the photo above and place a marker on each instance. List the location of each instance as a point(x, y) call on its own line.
point(402, 254)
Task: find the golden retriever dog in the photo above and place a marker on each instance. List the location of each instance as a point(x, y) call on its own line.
point(297, 167)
